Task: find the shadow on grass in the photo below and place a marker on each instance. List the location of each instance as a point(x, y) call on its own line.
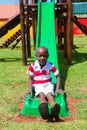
point(77, 58)
point(10, 59)
point(16, 59)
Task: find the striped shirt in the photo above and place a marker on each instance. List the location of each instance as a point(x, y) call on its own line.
point(39, 75)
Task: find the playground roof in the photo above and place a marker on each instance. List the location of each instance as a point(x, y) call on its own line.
point(8, 10)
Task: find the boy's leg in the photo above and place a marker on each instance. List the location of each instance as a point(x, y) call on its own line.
point(55, 111)
point(44, 111)
point(55, 108)
point(43, 107)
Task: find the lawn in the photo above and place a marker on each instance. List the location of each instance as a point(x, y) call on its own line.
point(14, 84)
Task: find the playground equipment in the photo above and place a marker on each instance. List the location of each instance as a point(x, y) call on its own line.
point(11, 39)
point(81, 26)
point(64, 13)
point(17, 41)
point(46, 36)
point(10, 24)
point(31, 106)
point(80, 13)
point(63, 10)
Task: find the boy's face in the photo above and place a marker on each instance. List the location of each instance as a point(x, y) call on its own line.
point(42, 55)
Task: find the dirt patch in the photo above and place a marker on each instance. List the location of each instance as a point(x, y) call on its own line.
point(84, 90)
point(71, 102)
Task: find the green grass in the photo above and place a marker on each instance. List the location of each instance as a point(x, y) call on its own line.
point(14, 83)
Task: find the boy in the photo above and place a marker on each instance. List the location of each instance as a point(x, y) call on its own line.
point(39, 77)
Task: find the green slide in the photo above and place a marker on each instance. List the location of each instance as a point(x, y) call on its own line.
point(46, 36)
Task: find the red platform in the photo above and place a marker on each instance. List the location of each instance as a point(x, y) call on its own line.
point(76, 29)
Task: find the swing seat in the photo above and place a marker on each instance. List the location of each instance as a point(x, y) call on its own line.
point(31, 105)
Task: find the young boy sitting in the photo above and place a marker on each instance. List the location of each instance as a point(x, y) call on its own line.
point(39, 77)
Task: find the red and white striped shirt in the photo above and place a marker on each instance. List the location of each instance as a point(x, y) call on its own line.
point(39, 75)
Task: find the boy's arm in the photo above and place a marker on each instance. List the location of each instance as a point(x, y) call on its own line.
point(58, 85)
point(30, 82)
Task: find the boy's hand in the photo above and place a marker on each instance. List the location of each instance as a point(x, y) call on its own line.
point(30, 92)
point(60, 91)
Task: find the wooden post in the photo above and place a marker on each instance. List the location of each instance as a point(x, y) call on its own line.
point(71, 25)
point(60, 32)
point(68, 34)
point(27, 30)
point(65, 40)
point(34, 30)
point(23, 32)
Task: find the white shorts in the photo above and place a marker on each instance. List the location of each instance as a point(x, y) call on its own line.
point(45, 88)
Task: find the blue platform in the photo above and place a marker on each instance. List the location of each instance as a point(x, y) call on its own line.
point(80, 8)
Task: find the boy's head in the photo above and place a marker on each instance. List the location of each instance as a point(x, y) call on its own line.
point(42, 55)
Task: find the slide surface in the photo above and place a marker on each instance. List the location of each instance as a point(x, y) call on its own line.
point(46, 35)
